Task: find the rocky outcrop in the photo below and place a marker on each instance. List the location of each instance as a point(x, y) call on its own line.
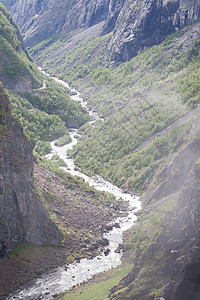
point(183, 242)
point(167, 265)
point(172, 177)
point(145, 23)
point(40, 19)
point(22, 216)
point(136, 24)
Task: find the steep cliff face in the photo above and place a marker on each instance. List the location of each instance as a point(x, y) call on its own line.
point(145, 23)
point(167, 259)
point(41, 18)
point(22, 216)
point(169, 267)
point(137, 24)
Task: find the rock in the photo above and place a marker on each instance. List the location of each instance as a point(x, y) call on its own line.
point(106, 252)
point(104, 242)
point(108, 227)
point(94, 246)
point(67, 15)
point(119, 248)
point(30, 223)
point(124, 214)
point(116, 225)
point(148, 24)
point(73, 93)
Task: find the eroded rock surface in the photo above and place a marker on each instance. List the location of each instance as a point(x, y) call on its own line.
point(22, 216)
point(145, 23)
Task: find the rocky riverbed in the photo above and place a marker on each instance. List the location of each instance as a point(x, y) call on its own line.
point(75, 212)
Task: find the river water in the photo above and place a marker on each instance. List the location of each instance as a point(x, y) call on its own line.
point(62, 279)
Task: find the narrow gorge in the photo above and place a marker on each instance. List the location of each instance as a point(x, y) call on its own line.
point(99, 173)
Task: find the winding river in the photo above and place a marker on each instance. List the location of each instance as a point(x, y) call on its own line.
point(62, 279)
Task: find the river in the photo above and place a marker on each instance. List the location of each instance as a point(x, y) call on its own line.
point(62, 279)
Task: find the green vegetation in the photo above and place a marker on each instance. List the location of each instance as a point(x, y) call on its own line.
point(139, 99)
point(63, 140)
point(42, 147)
point(14, 62)
point(44, 112)
point(55, 99)
point(23, 248)
point(101, 290)
point(38, 125)
point(78, 63)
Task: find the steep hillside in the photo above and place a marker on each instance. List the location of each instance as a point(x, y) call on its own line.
point(135, 24)
point(22, 216)
point(141, 100)
point(42, 105)
point(166, 243)
point(149, 23)
point(40, 20)
point(17, 70)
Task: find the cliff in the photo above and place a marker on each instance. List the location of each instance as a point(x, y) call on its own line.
point(166, 242)
point(135, 24)
point(22, 216)
point(40, 19)
point(145, 23)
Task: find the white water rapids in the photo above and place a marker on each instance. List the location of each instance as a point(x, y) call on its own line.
point(62, 279)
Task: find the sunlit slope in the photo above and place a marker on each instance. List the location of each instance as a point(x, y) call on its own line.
point(43, 106)
point(139, 100)
point(17, 69)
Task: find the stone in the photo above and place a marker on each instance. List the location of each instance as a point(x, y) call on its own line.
point(30, 223)
point(108, 227)
point(104, 242)
point(106, 252)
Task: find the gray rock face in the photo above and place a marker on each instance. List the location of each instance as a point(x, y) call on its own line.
point(145, 23)
point(174, 255)
point(22, 216)
point(175, 172)
point(136, 24)
point(39, 19)
point(184, 242)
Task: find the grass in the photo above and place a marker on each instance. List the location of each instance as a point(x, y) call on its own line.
point(100, 290)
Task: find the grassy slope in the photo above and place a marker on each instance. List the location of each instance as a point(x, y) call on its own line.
point(140, 98)
point(99, 289)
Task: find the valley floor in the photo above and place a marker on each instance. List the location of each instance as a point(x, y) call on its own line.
point(82, 224)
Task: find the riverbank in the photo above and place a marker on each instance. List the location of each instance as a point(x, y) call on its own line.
point(98, 287)
point(85, 213)
point(81, 219)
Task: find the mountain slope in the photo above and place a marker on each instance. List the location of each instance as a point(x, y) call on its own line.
point(135, 24)
point(40, 20)
point(41, 104)
point(165, 242)
point(149, 23)
point(22, 216)
point(140, 100)
point(17, 70)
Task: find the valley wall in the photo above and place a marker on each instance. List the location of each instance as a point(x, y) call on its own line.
point(22, 216)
